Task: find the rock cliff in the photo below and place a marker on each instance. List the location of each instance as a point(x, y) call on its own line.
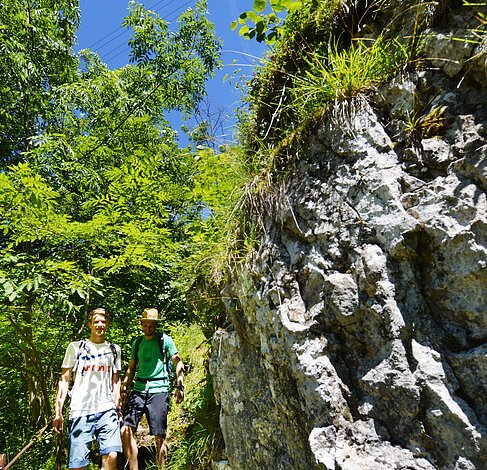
point(358, 334)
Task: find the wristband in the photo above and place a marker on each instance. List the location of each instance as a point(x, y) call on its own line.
point(180, 387)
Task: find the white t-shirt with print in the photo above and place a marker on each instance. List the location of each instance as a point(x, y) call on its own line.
point(92, 388)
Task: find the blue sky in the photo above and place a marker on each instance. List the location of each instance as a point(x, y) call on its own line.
point(101, 31)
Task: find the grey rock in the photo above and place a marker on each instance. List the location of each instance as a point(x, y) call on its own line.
point(359, 341)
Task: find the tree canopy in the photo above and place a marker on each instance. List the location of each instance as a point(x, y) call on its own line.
point(95, 190)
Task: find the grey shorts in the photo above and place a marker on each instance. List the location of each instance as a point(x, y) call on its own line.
point(155, 406)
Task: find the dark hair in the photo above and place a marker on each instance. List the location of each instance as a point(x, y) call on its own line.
point(98, 311)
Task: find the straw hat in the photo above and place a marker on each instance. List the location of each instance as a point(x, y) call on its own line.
point(150, 314)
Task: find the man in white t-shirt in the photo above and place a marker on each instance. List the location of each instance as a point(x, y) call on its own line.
point(95, 396)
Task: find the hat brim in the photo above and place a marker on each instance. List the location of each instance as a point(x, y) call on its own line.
point(149, 319)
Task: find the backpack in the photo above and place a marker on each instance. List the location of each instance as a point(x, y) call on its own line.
point(165, 356)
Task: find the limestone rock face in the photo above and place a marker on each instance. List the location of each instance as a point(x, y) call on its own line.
point(358, 334)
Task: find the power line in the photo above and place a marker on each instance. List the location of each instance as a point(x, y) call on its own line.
point(123, 29)
point(133, 109)
point(107, 57)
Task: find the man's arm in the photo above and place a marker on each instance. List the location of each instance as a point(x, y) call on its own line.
point(179, 394)
point(127, 380)
point(62, 392)
point(116, 390)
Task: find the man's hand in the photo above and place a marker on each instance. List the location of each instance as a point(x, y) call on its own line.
point(179, 395)
point(57, 424)
point(62, 392)
point(124, 396)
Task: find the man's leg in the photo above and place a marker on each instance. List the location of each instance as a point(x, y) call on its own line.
point(157, 409)
point(108, 435)
point(80, 432)
point(132, 412)
point(109, 461)
point(130, 447)
point(161, 451)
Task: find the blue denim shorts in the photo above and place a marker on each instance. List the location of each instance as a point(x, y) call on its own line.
point(104, 426)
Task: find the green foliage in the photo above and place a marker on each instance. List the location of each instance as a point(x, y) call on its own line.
point(324, 61)
point(223, 182)
point(419, 126)
point(193, 434)
point(29, 370)
point(307, 31)
point(95, 194)
point(267, 27)
point(35, 42)
point(180, 61)
point(342, 74)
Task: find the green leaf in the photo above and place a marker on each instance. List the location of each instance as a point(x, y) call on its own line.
point(277, 5)
point(272, 18)
point(8, 287)
point(292, 4)
point(261, 37)
point(259, 5)
point(253, 16)
point(243, 30)
point(260, 27)
point(271, 38)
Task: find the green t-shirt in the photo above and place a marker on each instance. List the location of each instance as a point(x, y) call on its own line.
point(151, 364)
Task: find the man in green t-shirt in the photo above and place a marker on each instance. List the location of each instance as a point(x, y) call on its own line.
point(151, 390)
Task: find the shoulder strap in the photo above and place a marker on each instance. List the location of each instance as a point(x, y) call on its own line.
point(160, 339)
point(81, 346)
point(165, 356)
point(136, 348)
point(115, 355)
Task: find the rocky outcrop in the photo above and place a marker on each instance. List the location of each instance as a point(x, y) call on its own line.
point(358, 335)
